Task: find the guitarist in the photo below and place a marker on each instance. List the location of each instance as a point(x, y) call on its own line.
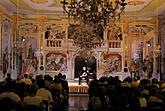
point(84, 75)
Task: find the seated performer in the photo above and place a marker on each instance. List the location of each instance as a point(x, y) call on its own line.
point(84, 75)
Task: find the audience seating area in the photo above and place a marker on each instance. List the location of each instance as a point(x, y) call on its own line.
point(105, 94)
point(131, 94)
point(41, 94)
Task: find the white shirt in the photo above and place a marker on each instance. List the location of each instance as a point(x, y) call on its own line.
point(14, 97)
point(33, 100)
point(45, 94)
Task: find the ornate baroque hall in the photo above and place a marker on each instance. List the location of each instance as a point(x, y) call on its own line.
point(82, 55)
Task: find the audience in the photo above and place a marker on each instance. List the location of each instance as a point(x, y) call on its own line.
point(26, 80)
point(105, 94)
point(131, 94)
point(33, 99)
point(8, 78)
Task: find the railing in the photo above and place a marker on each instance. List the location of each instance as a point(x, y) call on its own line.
point(115, 44)
point(53, 43)
point(59, 43)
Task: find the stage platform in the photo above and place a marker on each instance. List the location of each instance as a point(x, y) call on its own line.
point(75, 88)
point(83, 88)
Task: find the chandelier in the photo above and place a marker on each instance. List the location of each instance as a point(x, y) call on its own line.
point(92, 16)
point(86, 38)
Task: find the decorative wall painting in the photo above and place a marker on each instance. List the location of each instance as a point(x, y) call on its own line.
point(56, 62)
point(6, 46)
point(29, 32)
point(163, 39)
point(111, 63)
point(55, 31)
point(114, 33)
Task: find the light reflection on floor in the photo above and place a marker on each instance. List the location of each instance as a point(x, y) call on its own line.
point(78, 102)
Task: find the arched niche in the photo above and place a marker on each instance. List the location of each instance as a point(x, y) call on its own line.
point(81, 62)
point(85, 59)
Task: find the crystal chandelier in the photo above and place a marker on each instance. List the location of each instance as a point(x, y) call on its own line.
point(93, 16)
point(86, 38)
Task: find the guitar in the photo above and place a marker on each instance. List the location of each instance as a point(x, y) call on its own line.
point(84, 74)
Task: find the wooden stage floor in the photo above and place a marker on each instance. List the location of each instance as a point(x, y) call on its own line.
point(75, 88)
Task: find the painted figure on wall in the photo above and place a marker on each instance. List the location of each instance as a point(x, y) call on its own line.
point(134, 68)
point(55, 31)
point(47, 33)
point(30, 52)
point(114, 33)
point(5, 64)
point(56, 62)
point(6, 46)
point(29, 48)
point(150, 69)
point(111, 63)
point(20, 64)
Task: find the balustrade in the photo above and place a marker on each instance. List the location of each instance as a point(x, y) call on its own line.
point(115, 44)
point(55, 43)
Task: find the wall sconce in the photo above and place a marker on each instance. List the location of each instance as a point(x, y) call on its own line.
point(148, 43)
point(23, 38)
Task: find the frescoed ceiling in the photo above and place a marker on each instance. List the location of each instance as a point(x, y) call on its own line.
point(54, 7)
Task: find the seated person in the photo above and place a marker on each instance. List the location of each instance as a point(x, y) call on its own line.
point(32, 99)
point(84, 75)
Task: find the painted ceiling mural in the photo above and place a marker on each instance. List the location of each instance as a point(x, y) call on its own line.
point(55, 7)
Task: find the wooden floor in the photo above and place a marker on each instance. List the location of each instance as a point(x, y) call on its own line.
point(78, 102)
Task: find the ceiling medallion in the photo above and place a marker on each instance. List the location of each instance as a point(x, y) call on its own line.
point(136, 2)
point(39, 1)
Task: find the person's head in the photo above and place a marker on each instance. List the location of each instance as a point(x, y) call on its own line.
point(64, 77)
point(30, 75)
point(30, 46)
point(125, 69)
point(41, 83)
point(57, 79)
point(59, 75)
point(33, 89)
point(138, 77)
point(48, 28)
point(26, 76)
point(94, 104)
point(8, 74)
point(84, 68)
